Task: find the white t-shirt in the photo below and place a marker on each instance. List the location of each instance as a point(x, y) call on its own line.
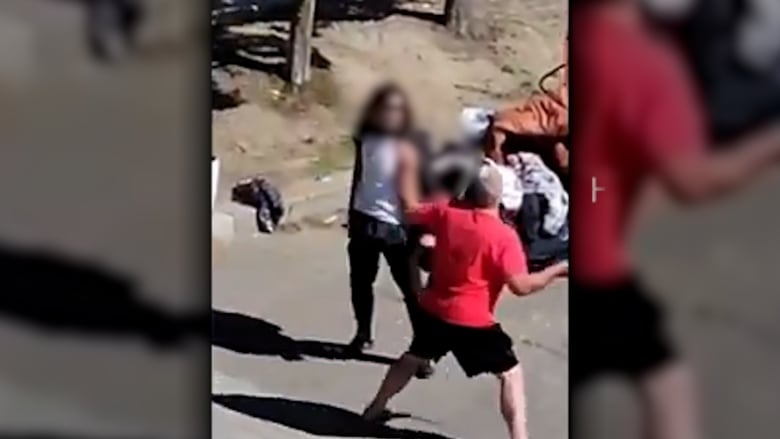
point(376, 194)
point(512, 189)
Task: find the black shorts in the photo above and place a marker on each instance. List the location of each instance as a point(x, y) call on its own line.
point(478, 350)
point(616, 330)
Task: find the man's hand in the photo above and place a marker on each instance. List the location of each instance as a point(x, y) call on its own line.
point(562, 269)
point(428, 241)
point(529, 283)
point(562, 156)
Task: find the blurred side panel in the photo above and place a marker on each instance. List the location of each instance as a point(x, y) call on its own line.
point(688, 344)
point(104, 194)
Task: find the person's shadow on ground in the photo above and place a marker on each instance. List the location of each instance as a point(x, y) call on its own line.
point(38, 435)
point(250, 335)
point(59, 293)
point(316, 418)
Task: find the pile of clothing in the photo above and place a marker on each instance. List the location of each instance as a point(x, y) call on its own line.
point(528, 141)
point(535, 202)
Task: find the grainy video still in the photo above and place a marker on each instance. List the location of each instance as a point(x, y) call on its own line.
point(382, 171)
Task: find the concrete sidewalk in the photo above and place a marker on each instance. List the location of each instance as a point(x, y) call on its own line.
point(276, 295)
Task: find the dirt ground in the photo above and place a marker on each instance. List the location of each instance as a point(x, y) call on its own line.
point(356, 46)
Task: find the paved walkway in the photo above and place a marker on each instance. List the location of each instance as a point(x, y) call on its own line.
point(277, 296)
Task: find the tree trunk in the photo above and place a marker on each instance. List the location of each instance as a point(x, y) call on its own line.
point(301, 33)
point(458, 16)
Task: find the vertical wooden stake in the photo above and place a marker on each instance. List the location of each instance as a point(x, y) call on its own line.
point(301, 34)
point(458, 16)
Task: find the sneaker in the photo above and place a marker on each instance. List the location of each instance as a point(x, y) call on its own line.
point(361, 342)
point(425, 371)
point(373, 415)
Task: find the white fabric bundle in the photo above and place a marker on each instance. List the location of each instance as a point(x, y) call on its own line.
point(474, 122)
point(512, 187)
point(537, 178)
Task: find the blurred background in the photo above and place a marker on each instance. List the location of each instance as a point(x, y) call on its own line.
point(714, 268)
point(102, 183)
point(715, 271)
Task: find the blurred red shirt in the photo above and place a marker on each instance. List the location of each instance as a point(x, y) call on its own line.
point(475, 254)
point(634, 108)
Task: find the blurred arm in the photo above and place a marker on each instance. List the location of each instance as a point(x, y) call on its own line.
point(529, 283)
point(672, 135)
point(408, 178)
point(701, 178)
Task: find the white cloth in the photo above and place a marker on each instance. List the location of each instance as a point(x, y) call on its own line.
point(512, 186)
point(474, 122)
point(537, 178)
point(376, 194)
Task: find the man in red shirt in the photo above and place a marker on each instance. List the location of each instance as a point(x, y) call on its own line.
point(637, 119)
point(476, 255)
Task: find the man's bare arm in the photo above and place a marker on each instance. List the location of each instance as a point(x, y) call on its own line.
point(529, 283)
point(709, 176)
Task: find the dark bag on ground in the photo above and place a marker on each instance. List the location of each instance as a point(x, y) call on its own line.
point(264, 198)
point(542, 249)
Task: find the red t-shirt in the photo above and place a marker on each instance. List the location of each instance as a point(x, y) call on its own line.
point(475, 254)
point(635, 109)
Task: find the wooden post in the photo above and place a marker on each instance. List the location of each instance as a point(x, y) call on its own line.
point(458, 16)
point(449, 5)
point(301, 34)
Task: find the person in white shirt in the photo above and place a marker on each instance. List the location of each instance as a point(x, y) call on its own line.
point(375, 222)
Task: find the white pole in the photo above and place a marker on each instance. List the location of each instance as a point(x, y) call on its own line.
point(214, 180)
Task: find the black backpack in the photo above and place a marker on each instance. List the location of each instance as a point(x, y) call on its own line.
point(264, 198)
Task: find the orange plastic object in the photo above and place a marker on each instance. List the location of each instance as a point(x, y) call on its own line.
point(544, 113)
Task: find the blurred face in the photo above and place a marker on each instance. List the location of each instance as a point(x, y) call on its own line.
point(392, 114)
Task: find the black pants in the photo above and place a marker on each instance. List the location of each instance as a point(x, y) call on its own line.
point(368, 240)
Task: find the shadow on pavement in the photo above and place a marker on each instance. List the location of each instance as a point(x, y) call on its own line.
point(263, 53)
point(250, 335)
point(59, 436)
point(316, 418)
point(284, 10)
point(56, 293)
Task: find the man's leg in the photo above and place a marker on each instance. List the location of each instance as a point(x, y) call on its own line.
point(363, 268)
point(513, 406)
point(664, 383)
point(669, 403)
point(397, 377)
point(432, 339)
point(489, 350)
